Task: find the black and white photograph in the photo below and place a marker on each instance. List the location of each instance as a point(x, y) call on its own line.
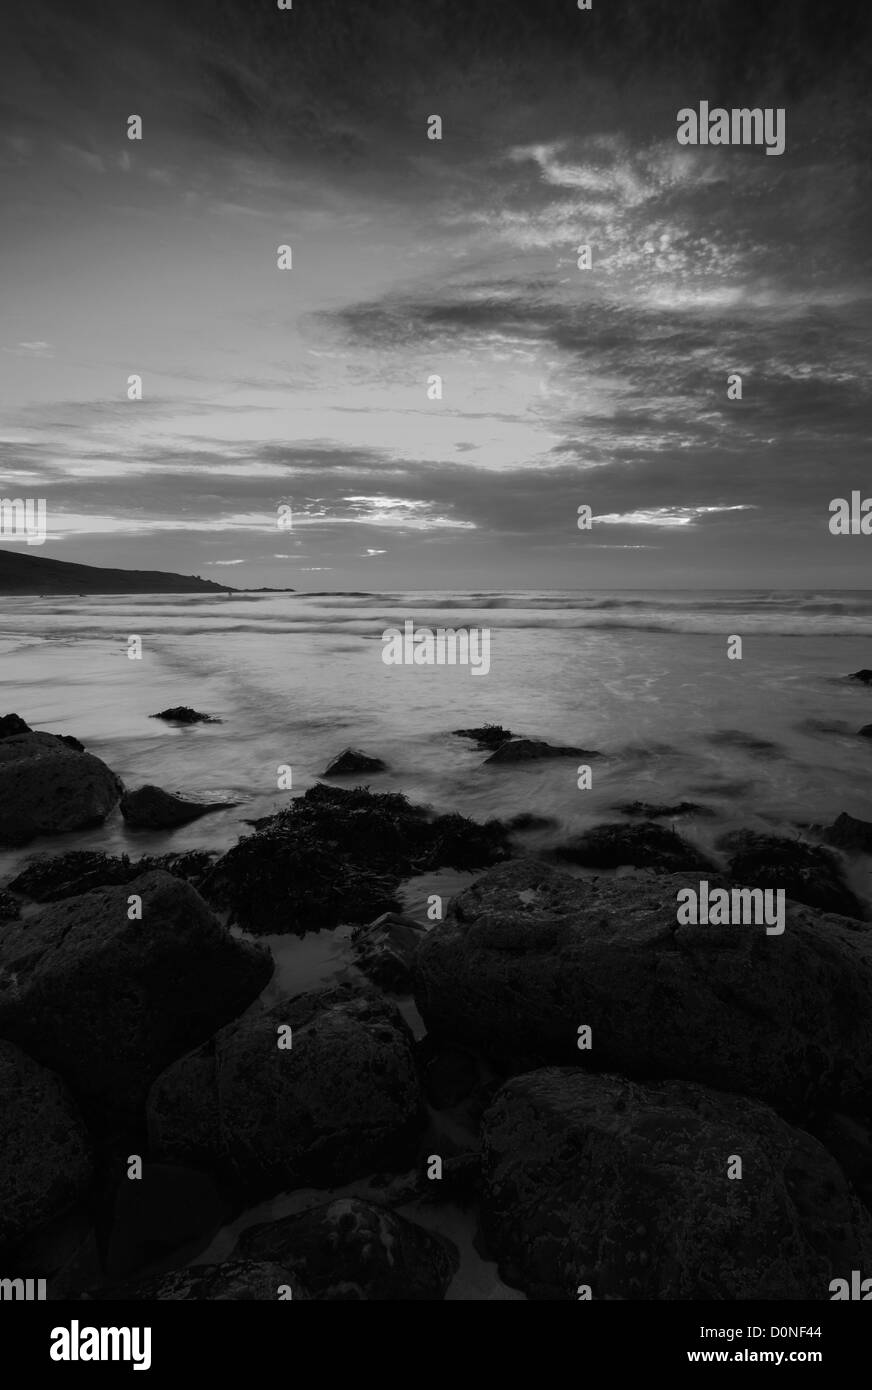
point(436, 661)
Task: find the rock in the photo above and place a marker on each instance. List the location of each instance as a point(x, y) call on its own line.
point(47, 788)
point(527, 955)
point(236, 1281)
point(351, 761)
point(385, 949)
point(183, 714)
point(337, 855)
point(654, 811)
point(624, 1188)
point(525, 750)
point(646, 845)
point(528, 820)
point(487, 736)
point(168, 1208)
point(45, 1164)
point(48, 878)
point(154, 809)
point(11, 724)
point(846, 832)
point(109, 1002)
point(341, 1100)
point(866, 731)
point(9, 908)
point(352, 1250)
point(864, 676)
point(807, 873)
point(71, 742)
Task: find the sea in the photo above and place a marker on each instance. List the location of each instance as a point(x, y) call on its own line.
point(768, 741)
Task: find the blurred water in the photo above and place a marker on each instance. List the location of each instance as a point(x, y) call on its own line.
point(643, 678)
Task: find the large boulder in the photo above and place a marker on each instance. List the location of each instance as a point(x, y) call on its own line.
point(235, 1281)
point(352, 1250)
point(47, 787)
point(809, 873)
point(645, 845)
point(598, 1181)
point(45, 1164)
point(528, 955)
point(109, 1002)
point(152, 808)
point(267, 1108)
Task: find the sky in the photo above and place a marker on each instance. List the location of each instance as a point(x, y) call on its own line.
point(414, 257)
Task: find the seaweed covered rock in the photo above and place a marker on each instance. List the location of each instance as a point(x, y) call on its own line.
point(183, 714)
point(352, 1250)
point(645, 845)
point(807, 873)
point(488, 736)
point(598, 1181)
point(339, 854)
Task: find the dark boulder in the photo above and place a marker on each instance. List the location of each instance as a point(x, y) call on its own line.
point(152, 808)
point(351, 761)
point(864, 676)
point(807, 873)
point(108, 1001)
point(624, 1188)
point(341, 1099)
point(645, 845)
point(528, 955)
point(45, 1162)
point(351, 1250)
point(183, 714)
point(47, 788)
point(866, 731)
point(12, 724)
point(47, 878)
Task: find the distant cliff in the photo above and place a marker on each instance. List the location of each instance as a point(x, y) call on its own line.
point(21, 573)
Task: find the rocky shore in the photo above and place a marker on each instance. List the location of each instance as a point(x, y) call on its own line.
point(547, 1074)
